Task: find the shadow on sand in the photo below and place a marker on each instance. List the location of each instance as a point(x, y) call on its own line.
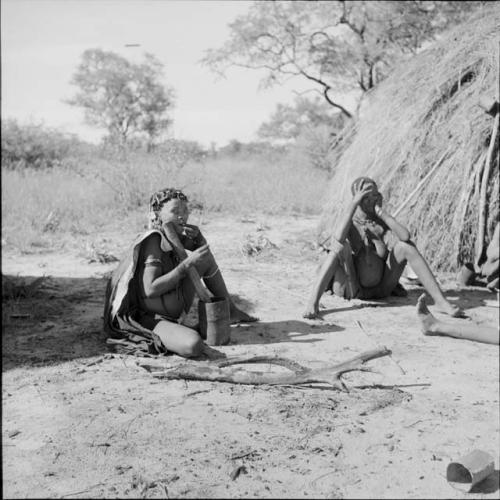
point(53, 320)
point(466, 298)
point(491, 484)
point(58, 319)
point(50, 320)
point(273, 332)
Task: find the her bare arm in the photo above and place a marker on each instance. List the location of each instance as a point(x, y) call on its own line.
point(342, 229)
point(398, 229)
point(155, 282)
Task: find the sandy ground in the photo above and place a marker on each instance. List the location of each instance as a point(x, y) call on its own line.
point(81, 422)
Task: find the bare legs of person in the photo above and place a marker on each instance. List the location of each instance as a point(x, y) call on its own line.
point(430, 325)
point(402, 253)
point(324, 276)
point(179, 339)
point(186, 341)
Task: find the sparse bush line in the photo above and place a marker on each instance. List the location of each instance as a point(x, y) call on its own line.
point(39, 206)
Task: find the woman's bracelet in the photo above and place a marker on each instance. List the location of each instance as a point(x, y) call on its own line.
point(182, 268)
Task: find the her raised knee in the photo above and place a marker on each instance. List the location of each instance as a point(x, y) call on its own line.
point(405, 248)
point(191, 348)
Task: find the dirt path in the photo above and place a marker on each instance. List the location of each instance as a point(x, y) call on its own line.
point(80, 422)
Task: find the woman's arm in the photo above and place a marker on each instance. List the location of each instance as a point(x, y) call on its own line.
point(154, 281)
point(342, 229)
point(398, 229)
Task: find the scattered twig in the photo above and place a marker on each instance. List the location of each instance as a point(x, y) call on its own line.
point(392, 386)
point(416, 422)
point(197, 392)
point(390, 355)
point(97, 361)
point(130, 423)
point(83, 491)
point(183, 399)
point(242, 455)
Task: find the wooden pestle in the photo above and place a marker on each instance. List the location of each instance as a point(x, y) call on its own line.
point(172, 236)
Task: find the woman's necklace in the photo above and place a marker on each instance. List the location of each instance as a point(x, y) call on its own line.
point(364, 221)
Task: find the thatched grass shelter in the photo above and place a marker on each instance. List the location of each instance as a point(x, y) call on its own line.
point(427, 112)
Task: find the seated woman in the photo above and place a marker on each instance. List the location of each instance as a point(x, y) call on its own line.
point(150, 291)
point(462, 330)
point(359, 262)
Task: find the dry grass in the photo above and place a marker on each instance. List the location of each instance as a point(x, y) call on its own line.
point(39, 205)
point(258, 185)
point(425, 108)
point(46, 209)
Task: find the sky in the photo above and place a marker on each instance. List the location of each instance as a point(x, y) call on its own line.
point(42, 42)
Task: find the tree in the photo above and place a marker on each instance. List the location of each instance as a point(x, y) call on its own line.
point(124, 98)
point(338, 46)
point(289, 121)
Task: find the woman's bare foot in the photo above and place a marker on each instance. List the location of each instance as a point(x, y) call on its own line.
point(427, 320)
point(211, 353)
point(238, 316)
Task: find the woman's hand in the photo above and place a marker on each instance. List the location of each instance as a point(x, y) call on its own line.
point(361, 191)
point(197, 256)
point(191, 232)
point(378, 204)
point(192, 237)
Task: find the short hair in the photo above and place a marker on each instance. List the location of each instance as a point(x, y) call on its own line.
point(159, 198)
point(156, 202)
point(359, 180)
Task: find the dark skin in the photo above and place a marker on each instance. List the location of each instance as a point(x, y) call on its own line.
point(492, 264)
point(377, 271)
point(168, 290)
point(459, 330)
point(331, 263)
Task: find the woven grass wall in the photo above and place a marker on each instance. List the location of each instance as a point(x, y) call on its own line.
point(427, 108)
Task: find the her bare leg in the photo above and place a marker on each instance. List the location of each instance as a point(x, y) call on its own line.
point(214, 281)
point(180, 339)
point(432, 326)
point(323, 277)
point(407, 252)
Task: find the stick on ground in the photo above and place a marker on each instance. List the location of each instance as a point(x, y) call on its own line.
point(298, 374)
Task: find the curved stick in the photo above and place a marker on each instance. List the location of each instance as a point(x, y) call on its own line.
point(330, 375)
point(287, 363)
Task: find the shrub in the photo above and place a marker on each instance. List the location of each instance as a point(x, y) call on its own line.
point(39, 207)
point(35, 146)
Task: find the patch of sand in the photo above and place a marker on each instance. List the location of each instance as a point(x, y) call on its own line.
point(81, 422)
